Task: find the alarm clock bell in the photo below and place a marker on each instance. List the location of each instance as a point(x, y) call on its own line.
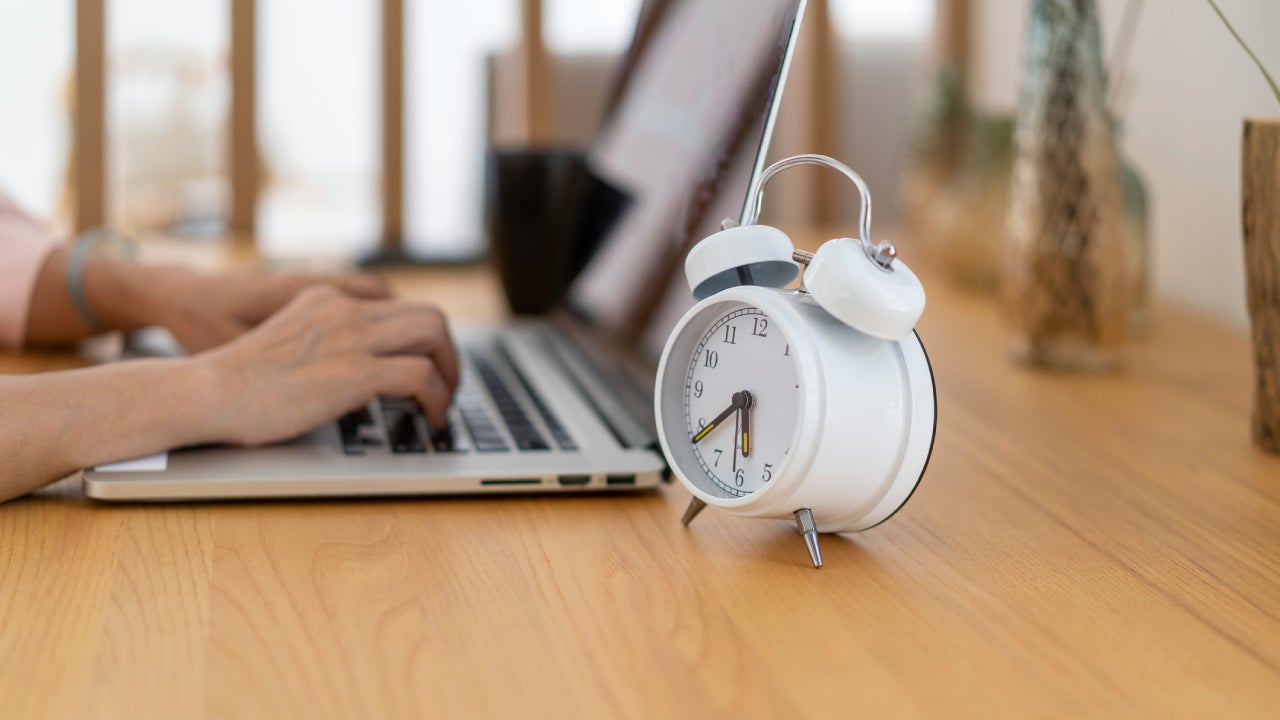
point(856, 281)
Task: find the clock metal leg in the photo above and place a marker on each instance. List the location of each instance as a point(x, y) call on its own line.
point(691, 512)
point(804, 522)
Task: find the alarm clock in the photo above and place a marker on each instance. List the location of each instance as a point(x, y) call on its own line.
point(815, 403)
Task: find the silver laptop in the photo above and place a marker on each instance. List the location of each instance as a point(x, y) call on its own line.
point(551, 404)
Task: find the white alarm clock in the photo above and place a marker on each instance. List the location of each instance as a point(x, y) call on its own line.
point(815, 403)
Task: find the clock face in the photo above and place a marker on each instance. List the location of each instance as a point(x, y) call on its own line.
point(741, 400)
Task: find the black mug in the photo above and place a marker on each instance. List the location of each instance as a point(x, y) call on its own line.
point(529, 207)
point(545, 213)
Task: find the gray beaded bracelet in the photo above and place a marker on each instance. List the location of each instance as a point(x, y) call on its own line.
point(75, 268)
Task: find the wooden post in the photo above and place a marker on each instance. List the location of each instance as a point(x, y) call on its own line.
point(243, 136)
point(824, 110)
point(1260, 164)
point(536, 73)
point(392, 127)
point(951, 32)
point(89, 145)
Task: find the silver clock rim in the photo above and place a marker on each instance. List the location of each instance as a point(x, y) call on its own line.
point(775, 304)
point(721, 316)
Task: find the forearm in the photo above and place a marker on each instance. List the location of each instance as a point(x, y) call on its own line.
point(53, 424)
point(119, 293)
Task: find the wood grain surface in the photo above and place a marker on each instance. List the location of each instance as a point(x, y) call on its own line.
point(1081, 546)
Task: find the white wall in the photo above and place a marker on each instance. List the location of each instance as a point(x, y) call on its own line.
point(877, 107)
point(884, 57)
point(36, 41)
point(1191, 87)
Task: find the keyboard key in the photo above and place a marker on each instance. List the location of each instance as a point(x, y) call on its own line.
point(360, 416)
point(399, 415)
point(404, 436)
point(358, 431)
point(448, 439)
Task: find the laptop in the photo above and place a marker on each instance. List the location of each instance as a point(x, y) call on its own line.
point(551, 404)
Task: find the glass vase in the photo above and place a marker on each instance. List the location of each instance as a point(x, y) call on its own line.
point(1137, 234)
point(1065, 281)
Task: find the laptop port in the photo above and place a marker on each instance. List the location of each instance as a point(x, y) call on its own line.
point(511, 481)
point(615, 480)
point(575, 480)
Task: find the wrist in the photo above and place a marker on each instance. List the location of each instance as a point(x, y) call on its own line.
point(126, 410)
point(96, 246)
point(217, 381)
point(206, 394)
point(187, 402)
point(125, 295)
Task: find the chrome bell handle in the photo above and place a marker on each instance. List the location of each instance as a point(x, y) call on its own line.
point(882, 253)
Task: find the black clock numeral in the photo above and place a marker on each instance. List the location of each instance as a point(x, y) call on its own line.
point(761, 327)
point(787, 351)
point(702, 422)
point(731, 334)
point(768, 473)
point(710, 358)
point(738, 478)
point(697, 389)
point(719, 452)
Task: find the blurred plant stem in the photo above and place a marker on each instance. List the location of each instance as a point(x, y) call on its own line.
point(1119, 63)
point(1270, 80)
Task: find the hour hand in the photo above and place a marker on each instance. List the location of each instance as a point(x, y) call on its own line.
point(737, 403)
point(748, 401)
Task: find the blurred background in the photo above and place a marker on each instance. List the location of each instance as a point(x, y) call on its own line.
point(327, 128)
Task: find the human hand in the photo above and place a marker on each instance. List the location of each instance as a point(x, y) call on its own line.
point(204, 311)
point(324, 354)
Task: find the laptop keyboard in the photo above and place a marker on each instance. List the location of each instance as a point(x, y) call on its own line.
point(473, 408)
point(473, 423)
point(562, 437)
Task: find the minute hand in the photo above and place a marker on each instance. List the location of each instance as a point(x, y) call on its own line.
point(733, 407)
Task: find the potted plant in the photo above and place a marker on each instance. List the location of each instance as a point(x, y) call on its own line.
point(1260, 175)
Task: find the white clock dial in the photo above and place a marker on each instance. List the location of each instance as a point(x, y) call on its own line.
point(741, 400)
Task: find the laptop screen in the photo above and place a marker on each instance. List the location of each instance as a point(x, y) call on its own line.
point(687, 131)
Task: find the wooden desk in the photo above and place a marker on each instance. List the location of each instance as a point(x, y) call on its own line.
point(1080, 547)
